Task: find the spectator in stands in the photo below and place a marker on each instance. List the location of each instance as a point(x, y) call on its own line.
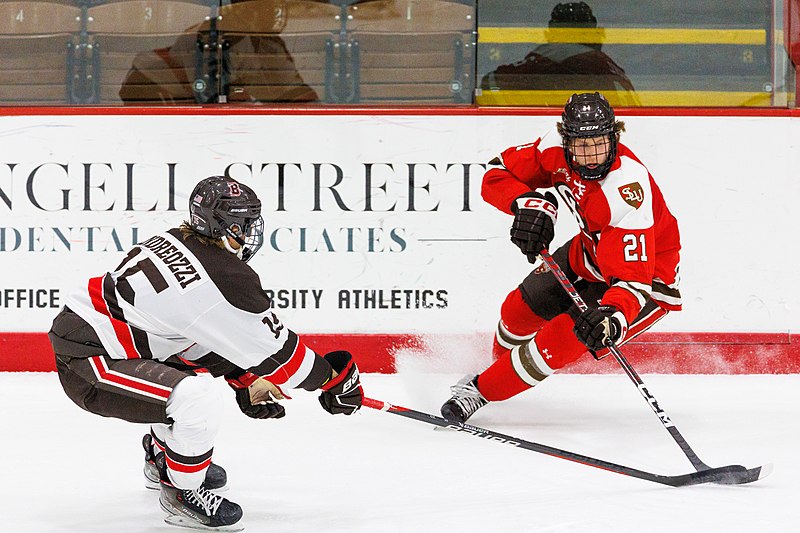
point(254, 65)
point(563, 65)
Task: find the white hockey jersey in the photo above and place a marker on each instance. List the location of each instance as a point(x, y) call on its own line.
point(178, 296)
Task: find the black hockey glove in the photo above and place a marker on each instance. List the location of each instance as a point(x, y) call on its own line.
point(256, 399)
point(596, 326)
point(534, 222)
point(343, 393)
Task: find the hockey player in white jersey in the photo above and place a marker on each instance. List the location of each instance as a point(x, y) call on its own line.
point(142, 343)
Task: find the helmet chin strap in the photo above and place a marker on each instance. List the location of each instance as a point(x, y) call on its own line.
point(237, 252)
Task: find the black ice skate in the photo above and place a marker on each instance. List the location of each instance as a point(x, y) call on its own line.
point(465, 401)
point(196, 508)
point(216, 477)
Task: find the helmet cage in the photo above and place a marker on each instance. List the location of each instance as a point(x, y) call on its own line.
point(222, 207)
point(589, 115)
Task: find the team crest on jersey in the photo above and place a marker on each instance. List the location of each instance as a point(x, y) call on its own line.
point(633, 194)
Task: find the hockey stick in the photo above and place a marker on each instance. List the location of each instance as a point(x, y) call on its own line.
point(727, 475)
point(626, 366)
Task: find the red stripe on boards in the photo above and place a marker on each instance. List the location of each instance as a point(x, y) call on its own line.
point(121, 329)
point(378, 110)
point(654, 353)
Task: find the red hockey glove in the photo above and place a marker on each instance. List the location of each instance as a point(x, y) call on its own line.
point(534, 222)
point(595, 327)
point(342, 394)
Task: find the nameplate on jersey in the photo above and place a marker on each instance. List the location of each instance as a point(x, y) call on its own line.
point(177, 260)
point(632, 194)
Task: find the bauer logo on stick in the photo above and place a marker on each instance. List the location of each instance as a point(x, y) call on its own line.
point(633, 194)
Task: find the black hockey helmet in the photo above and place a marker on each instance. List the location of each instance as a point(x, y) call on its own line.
point(589, 115)
point(221, 207)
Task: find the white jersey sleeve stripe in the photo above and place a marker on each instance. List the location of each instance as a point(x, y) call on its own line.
point(638, 290)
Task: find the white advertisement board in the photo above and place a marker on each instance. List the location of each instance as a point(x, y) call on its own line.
point(375, 224)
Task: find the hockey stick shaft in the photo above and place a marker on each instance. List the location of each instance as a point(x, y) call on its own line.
point(733, 474)
point(626, 366)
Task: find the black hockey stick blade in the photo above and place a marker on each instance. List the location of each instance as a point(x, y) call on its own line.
point(732, 475)
point(726, 475)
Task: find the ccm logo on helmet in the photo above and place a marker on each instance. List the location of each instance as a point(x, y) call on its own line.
point(588, 128)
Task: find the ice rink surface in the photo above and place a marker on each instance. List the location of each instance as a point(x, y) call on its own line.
point(69, 471)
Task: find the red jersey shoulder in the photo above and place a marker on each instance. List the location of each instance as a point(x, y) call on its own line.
point(533, 158)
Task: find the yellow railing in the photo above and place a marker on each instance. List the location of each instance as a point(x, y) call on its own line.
point(639, 98)
point(488, 35)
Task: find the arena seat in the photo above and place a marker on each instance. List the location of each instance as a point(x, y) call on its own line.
point(411, 51)
point(37, 52)
point(146, 51)
point(279, 50)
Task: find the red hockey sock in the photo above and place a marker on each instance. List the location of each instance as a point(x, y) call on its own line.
point(517, 324)
point(498, 350)
point(557, 342)
point(500, 381)
point(554, 346)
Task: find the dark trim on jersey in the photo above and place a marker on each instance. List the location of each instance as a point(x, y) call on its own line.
point(141, 342)
point(110, 296)
point(630, 288)
point(588, 262)
point(187, 463)
point(97, 293)
point(272, 363)
point(217, 365)
point(238, 282)
point(131, 254)
point(139, 337)
point(150, 271)
point(660, 287)
point(320, 373)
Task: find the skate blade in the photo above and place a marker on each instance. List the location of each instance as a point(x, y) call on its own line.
point(188, 523)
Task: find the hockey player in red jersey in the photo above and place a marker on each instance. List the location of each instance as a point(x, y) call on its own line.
point(623, 261)
point(143, 341)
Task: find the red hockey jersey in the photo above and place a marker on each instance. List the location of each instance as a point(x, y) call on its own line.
point(628, 238)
